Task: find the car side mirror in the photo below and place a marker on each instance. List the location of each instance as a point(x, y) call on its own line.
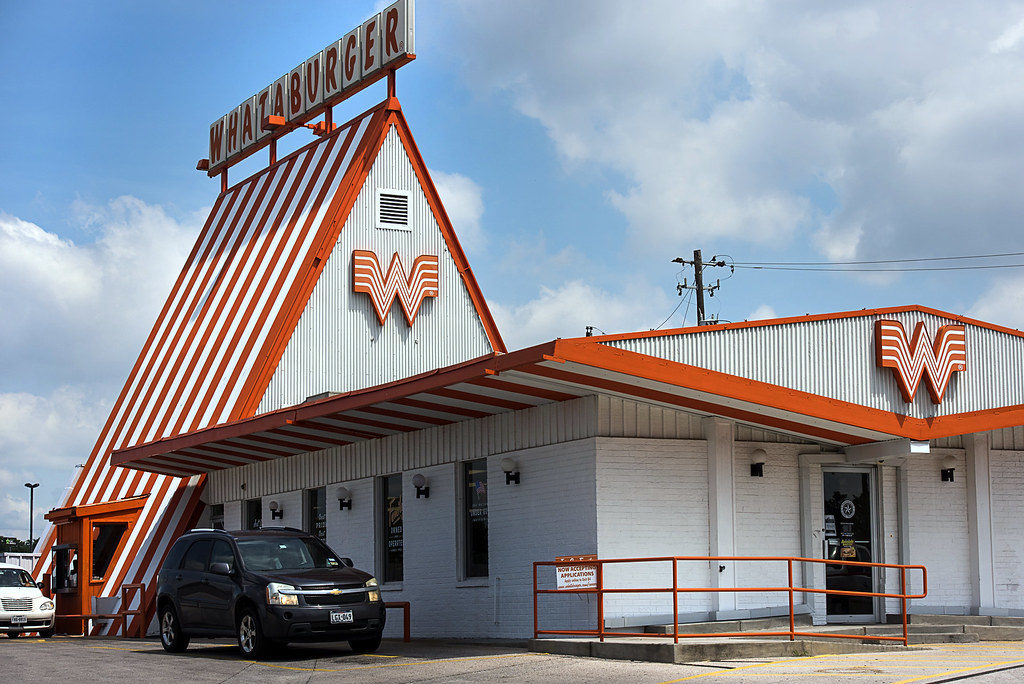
point(220, 568)
point(39, 585)
point(347, 562)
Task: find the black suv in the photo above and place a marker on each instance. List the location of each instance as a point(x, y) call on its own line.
point(266, 587)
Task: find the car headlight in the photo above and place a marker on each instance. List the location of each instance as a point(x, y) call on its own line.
point(276, 598)
point(374, 594)
point(46, 605)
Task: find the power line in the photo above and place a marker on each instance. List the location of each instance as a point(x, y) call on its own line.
point(877, 261)
point(880, 270)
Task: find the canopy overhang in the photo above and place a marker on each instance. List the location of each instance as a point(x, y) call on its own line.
point(552, 372)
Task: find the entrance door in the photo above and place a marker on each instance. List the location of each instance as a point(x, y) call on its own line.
point(849, 535)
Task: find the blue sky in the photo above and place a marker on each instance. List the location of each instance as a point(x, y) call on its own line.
point(579, 147)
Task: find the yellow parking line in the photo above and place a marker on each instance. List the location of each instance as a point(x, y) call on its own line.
point(962, 669)
point(372, 667)
point(720, 673)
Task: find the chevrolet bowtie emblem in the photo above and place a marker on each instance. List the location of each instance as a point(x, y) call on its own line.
point(336, 591)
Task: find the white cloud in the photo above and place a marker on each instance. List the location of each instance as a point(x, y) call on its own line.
point(463, 200)
point(79, 312)
point(863, 130)
point(762, 312)
point(1002, 302)
point(565, 311)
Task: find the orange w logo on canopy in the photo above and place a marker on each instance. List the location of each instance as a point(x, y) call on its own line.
point(411, 290)
point(909, 361)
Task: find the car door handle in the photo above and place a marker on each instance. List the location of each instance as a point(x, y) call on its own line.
point(177, 577)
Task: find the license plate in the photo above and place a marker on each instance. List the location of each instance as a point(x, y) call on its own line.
point(340, 616)
point(22, 619)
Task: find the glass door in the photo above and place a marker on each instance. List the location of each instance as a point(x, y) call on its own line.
point(850, 524)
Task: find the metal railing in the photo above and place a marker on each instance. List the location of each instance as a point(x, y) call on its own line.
point(790, 589)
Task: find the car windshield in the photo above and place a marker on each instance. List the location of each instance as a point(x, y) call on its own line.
point(12, 577)
point(286, 553)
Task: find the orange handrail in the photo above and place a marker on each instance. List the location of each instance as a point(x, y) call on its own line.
point(600, 590)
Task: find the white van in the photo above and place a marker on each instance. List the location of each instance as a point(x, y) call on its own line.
point(23, 608)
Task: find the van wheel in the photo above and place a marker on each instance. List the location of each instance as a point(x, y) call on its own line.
point(251, 640)
point(171, 637)
point(367, 645)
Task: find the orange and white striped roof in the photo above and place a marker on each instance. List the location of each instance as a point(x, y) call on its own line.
point(215, 344)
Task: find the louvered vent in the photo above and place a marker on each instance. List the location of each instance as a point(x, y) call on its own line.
point(393, 209)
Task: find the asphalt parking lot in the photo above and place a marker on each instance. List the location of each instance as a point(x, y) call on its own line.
point(37, 660)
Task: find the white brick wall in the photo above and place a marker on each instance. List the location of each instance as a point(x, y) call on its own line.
point(652, 501)
point(767, 515)
point(1007, 469)
point(938, 531)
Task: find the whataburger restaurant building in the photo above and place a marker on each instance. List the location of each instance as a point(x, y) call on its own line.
point(326, 345)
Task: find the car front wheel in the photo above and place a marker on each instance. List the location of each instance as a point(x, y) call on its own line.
point(46, 633)
point(13, 635)
point(171, 637)
point(367, 645)
point(251, 640)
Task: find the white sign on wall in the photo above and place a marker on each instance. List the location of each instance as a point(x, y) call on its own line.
point(320, 81)
point(582, 576)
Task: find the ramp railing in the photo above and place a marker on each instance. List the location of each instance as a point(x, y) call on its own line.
point(599, 589)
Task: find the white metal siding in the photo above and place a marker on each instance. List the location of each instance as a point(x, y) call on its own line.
point(836, 358)
point(339, 345)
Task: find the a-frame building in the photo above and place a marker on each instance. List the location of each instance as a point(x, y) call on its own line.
point(255, 322)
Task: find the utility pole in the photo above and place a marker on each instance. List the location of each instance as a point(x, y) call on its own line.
point(31, 505)
point(698, 281)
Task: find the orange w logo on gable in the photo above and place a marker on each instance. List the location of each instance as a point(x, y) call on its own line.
point(421, 283)
point(937, 361)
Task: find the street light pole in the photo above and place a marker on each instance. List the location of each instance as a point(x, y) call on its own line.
point(31, 513)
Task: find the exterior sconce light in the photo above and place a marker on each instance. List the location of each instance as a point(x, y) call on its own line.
point(757, 459)
point(948, 465)
point(511, 470)
point(344, 498)
point(421, 484)
point(276, 511)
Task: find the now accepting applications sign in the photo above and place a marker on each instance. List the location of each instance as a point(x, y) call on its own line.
point(581, 576)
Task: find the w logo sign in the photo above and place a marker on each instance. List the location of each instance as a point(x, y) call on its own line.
point(411, 290)
point(909, 361)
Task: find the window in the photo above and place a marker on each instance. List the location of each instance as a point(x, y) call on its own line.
point(316, 512)
point(217, 516)
point(65, 568)
point(475, 521)
point(391, 525)
point(105, 539)
point(196, 556)
point(254, 514)
point(222, 553)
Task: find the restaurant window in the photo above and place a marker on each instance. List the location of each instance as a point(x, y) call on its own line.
point(316, 512)
point(105, 539)
point(217, 516)
point(475, 521)
point(253, 514)
point(391, 527)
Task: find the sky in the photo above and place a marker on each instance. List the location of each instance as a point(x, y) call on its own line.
point(579, 147)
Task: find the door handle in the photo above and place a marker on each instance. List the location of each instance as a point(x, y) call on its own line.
point(177, 577)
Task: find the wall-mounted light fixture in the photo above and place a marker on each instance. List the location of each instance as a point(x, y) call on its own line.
point(421, 483)
point(276, 511)
point(511, 470)
point(948, 465)
point(344, 498)
point(757, 459)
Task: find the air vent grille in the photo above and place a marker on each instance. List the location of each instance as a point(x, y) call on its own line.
point(393, 209)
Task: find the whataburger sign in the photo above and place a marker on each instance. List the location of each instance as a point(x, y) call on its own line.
point(910, 360)
point(328, 77)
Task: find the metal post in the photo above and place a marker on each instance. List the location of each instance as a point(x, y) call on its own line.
point(675, 599)
point(600, 600)
point(903, 602)
point(536, 624)
point(792, 619)
point(698, 283)
point(31, 506)
point(391, 83)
